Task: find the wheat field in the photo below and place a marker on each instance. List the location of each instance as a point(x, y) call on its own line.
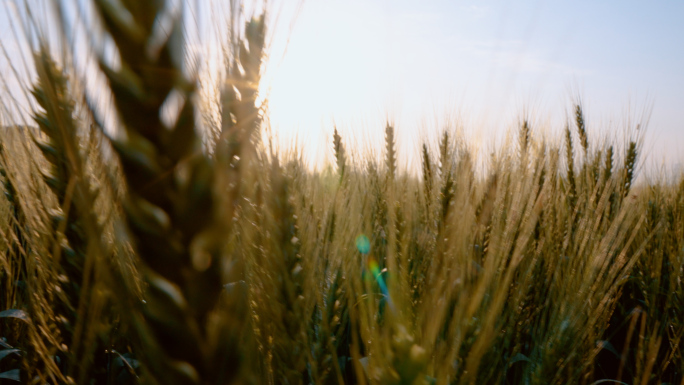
point(167, 254)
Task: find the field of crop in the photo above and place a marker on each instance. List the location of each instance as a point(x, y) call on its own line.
point(170, 254)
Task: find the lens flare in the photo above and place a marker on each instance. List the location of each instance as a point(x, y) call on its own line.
point(377, 273)
point(363, 244)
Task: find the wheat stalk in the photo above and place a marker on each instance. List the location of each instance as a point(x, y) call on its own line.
point(630, 164)
point(427, 181)
point(570, 159)
point(524, 140)
point(171, 209)
point(288, 329)
point(581, 129)
point(65, 178)
point(390, 155)
point(338, 148)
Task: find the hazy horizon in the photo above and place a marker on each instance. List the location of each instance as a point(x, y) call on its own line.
point(484, 63)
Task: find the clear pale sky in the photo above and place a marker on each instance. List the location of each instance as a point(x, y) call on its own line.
point(481, 63)
point(355, 62)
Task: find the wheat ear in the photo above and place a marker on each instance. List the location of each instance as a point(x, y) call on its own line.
point(581, 129)
point(65, 179)
point(340, 158)
point(427, 181)
point(171, 209)
point(570, 159)
point(630, 164)
point(390, 154)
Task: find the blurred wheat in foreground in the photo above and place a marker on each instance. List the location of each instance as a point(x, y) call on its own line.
point(160, 256)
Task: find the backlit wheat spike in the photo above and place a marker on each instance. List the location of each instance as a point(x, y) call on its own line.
point(446, 192)
point(444, 155)
point(595, 168)
point(250, 59)
point(338, 147)
point(605, 179)
point(334, 335)
point(427, 180)
point(15, 238)
point(630, 164)
point(390, 155)
point(290, 335)
point(484, 209)
point(570, 159)
point(377, 200)
point(174, 221)
point(524, 139)
point(581, 129)
point(17, 268)
point(240, 114)
point(608, 164)
point(61, 149)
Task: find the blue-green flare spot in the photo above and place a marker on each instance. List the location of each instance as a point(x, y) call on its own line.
point(363, 244)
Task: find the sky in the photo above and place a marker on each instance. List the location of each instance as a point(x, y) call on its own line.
point(481, 65)
point(474, 66)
